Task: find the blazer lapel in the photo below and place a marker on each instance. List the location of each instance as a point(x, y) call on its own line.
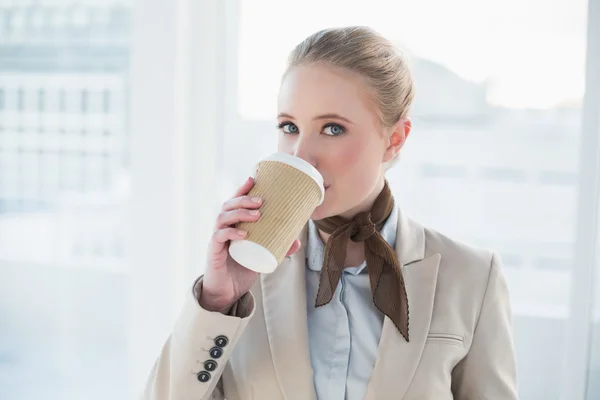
point(397, 360)
point(284, 303)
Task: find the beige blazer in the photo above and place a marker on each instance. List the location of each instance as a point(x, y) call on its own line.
point(460, 334)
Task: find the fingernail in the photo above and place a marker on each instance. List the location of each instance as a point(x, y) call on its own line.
point(256, 199)
point(254, 212)
point(242, 233)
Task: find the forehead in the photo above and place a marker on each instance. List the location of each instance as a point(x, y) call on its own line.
point(312, 90)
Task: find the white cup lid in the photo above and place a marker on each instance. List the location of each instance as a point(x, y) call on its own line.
point(300, 165)
point(252, 256)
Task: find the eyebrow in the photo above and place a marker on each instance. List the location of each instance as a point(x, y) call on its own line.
point(324, 116)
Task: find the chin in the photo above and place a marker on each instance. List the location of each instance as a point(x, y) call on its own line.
point(325, 210)
point(319, 213)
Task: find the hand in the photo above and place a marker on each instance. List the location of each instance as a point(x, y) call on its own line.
point(225, 280)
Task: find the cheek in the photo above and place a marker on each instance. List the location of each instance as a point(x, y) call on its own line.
point(285, 144)
point(354, 158)
point(344, 159)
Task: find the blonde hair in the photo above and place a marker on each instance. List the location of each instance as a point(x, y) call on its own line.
point(367, 53)
point(364, 51)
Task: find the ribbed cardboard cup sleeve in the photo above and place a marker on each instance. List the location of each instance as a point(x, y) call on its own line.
point(289, 199)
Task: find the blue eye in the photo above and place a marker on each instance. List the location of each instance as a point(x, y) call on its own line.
point(288, 127)
point(333, 130)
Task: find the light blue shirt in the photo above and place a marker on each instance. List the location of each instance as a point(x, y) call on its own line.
point(343, 334)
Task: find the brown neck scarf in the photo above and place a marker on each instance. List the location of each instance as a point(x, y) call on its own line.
point(385, 273)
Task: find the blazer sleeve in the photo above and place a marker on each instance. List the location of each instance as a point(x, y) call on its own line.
point(198, 336)
point(488, 371)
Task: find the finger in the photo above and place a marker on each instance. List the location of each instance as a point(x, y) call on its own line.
point(228, 218)
point(245, 188)
point(222, 236)
point(295, 247)
point(242, 202)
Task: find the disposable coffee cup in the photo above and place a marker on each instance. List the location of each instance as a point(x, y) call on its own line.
point(290, 189)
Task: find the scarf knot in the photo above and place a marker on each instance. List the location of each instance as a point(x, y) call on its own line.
point(363, 227)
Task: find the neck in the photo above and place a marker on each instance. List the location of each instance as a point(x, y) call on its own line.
point(355, 254)
point(367, 203)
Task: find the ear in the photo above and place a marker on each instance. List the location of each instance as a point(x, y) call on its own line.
point(397, 138)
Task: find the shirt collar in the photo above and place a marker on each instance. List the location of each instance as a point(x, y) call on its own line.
point(315, 248)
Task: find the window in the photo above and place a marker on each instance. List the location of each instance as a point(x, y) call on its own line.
point(106, 101)
point(443, 171)
point(20, 99)
point(503, 174)
point(62, 100)
point(561, 178)
point(84, 101)
point(41, 100)
point(50, 205)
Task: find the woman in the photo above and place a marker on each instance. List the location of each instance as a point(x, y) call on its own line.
point(433, 323)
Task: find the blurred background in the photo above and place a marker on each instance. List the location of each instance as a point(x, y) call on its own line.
point(124, 125)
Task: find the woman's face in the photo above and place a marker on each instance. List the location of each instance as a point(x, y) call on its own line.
point(326, 117)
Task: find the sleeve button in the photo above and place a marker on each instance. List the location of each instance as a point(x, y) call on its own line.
point(221, 341)
point(203, 376)
point(210, 365)
point(216, 352)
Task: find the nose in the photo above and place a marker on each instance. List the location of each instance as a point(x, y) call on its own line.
point(305, 150)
